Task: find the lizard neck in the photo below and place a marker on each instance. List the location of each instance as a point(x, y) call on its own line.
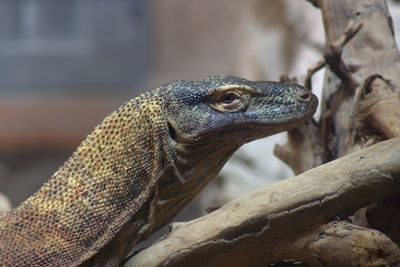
point(188, 169)
point(99, 189)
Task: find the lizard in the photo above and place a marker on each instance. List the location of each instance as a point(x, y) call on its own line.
point(141, 165)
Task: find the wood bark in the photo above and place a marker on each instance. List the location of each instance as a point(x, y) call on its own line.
point(306, 218)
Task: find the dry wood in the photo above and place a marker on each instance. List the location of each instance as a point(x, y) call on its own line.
point(261, 227)
point(361, 97)
point(358, 246)
point(372, 59)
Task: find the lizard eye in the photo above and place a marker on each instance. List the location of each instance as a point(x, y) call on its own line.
point(229, 101)
point(229, 97)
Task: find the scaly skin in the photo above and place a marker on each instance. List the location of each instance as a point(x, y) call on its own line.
point(141, 165)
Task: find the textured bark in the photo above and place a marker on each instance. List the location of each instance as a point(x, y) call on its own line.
point(358, 246)
point(373, 61)
point(289, 219)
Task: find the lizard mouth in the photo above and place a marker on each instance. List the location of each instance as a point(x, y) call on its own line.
point(238, 134)
point(244, 128)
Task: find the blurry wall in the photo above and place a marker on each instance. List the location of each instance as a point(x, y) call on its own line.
point(64, 65)
point(193, 39)
point(83, 46)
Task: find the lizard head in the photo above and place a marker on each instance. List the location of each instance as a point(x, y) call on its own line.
point(209, 120)
point(221, 109)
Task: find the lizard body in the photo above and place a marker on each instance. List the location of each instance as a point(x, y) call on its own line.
point(141, 165)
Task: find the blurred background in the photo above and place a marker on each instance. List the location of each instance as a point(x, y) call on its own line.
point(66, 64)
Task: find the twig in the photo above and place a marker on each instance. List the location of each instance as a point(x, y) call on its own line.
point(286, 79)
point(333, 58)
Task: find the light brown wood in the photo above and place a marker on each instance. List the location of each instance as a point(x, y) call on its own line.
point(371, 55)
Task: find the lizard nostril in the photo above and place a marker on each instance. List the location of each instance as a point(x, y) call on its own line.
point(304, 96)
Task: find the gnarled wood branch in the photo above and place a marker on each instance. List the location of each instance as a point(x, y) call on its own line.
point(261, 228)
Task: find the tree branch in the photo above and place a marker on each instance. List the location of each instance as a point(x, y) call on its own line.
point(333, 58)
point(260, 228)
